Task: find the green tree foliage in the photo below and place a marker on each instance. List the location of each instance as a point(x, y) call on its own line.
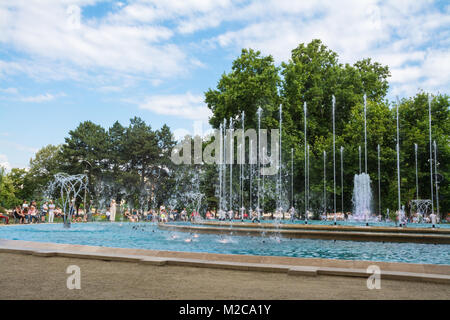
point(253, 82)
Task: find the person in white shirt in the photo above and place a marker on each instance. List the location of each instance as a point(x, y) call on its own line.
point(112, 209)
point(433, 219)
point(51, 212)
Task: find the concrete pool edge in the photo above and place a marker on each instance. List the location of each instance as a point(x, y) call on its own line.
point(328, 234)
point(288, 265)
point(328, 227)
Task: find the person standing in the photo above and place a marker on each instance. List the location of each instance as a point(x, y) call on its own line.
point(433, 219)
point(112, 210)
point(51, 212)
point(44, 210)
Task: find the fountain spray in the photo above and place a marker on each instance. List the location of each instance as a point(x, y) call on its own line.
point(259, 159)
point(431, 154)
point(398, 160)
point(292, 177)
point(435, 180)
point(365, 134)
point(231, 163)
point(417, 178)
point(324, 183)
point(334, 159)
point(306, 194)
point(379, 181)
point(342, 179)
point(279, 164)
point(359, 153)
point(308, 178)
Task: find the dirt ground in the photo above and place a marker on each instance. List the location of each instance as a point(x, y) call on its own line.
point(30, 277)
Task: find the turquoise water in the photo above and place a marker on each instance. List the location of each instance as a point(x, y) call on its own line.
point(148, 236)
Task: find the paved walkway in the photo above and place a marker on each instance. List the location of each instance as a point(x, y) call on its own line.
point(30, 277)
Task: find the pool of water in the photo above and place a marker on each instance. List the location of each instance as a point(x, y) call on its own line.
point(149, 236)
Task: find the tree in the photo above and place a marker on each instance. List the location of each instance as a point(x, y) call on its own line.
point(253, 82)
point(46, 163)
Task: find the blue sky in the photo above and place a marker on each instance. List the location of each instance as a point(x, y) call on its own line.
point(66, 61)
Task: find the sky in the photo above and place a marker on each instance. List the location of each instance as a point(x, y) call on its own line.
point(67, 61)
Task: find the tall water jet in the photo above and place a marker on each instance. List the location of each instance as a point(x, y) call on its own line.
point(334, 160)
point(324, 183)
point(279, 162)
point(258, 206)
point(435, 179)
point(241, 191)
point(292, 177)
point(231, 164)
point(379, 181)
point(359, 154)
point(263, 184)
point(342, 179)
point(306, 194)
point(242, 161)
point(431, 154)
point(417, 177)
point(307, 173)
point(220, 167)
point(250, 176)
point(224, 165)
point(365, 133)
point(398, 161)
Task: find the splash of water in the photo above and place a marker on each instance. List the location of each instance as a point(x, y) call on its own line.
point(362, 197)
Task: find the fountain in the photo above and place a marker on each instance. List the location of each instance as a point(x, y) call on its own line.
point(241, 166)
point(417, 177)
point(292, 177)
point(379, 181)
point(220, 165)
point(359, 153)
point(362, 193)
point(69, 187)
point(398, 160)
point(436, 178)
point(307, 190)
point(306, 194)
point(258, 205)
point(334, 160)
point(431, 154)
point(342, 179)
point(362, 198)
point(230, 132)
point(324, 183)
point(279, 164)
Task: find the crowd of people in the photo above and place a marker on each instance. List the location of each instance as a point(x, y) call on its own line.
point(29, 213)
point(164, 215)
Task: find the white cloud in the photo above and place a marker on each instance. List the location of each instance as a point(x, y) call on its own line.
point(186, 105)
point(411, 37)
point(4, 162)
point(9, 90)
point(49, 32)
point(41, 97)
point(140, 38)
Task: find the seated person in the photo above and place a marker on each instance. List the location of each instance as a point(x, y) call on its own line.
point(18, 215)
